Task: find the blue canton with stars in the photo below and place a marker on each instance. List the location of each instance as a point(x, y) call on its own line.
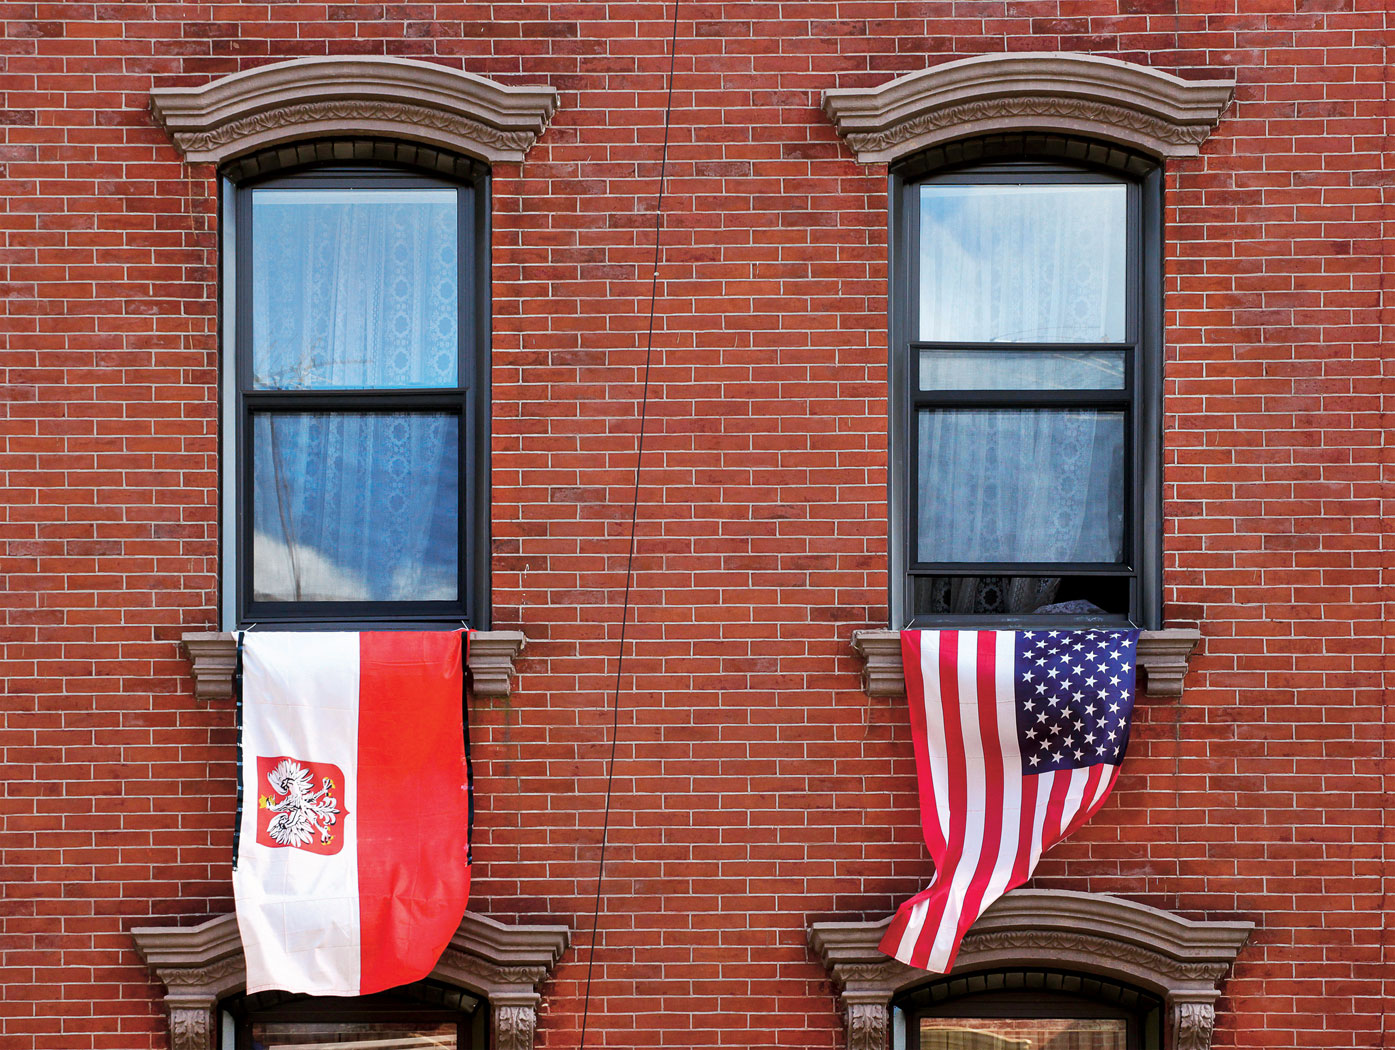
point(1074, 692)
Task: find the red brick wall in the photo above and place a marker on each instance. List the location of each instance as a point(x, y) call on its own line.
point(757, 788)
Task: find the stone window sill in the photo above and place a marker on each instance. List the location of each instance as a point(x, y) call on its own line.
point(1163, 657)
point(213, 658)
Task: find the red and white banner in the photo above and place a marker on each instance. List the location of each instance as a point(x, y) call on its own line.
point(352, 863)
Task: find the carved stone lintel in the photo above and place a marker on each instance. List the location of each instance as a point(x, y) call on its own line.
point(514, 1027)
point(1163, 657)
point(1100, 97)
point(354, 95)
point(213, 660)
point(199, 965)
point(867, 1025)
point(1193, 1021)
point(1179, 960)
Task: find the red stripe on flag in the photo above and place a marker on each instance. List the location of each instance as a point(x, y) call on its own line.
point(1055, 807)
point(984, 863)
point(413, 809)
point(915, 692)
point(1026, 825)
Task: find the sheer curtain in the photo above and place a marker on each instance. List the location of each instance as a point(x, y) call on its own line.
point(1021, 485)
point(1042, 263)
point(1037, 263)
point(355, 289)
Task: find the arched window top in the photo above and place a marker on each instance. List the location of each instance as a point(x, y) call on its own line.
point(1103, 98)
point(396, 99)
point(1180, 961)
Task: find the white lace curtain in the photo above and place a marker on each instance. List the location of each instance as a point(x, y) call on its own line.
point(1014, 264)
point(355, 289)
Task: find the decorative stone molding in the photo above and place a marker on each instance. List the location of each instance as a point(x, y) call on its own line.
point(354, 96)
point(213, 661)
point(1163, 657)
point(1104, 98)
point(1179, 960)
point(199, 965)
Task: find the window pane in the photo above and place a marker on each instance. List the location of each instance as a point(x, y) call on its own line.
point(1021, 370)
point(368, 1035)
point(1021, 485)
point(354, 288)
point(1075, 596)
point(1041, 263)
point(355, 506)
point(966, 1033)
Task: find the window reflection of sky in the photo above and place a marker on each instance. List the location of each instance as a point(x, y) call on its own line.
point(1022, 263)
point(354, 289)
point(355, 506)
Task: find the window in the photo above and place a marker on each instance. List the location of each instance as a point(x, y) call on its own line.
point(1027, 332)
point(360, 397)
point(1026, 1009)
point(420, 1016)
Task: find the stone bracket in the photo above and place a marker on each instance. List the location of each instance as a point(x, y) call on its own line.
point(213, 660)
point(1163, 658)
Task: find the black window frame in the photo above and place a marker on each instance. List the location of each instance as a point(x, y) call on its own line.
point(469, 400)
point(1025, 993)
point(423, 1002)
point(1036, 161)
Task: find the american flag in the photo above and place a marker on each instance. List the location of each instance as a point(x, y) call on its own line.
point(1018, 738)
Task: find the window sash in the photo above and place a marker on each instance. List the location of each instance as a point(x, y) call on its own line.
point(462, 400)
point(1142, 385)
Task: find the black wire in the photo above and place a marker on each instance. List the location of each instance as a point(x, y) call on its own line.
point(634, 519)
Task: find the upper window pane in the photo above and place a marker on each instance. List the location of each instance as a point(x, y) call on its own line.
point(354, 288)
point(1037, 263)
point(973, 1033)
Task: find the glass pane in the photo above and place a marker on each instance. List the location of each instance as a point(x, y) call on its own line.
point(367, 1035)
point(1014, 485)
point(355, 506)
point(1038, 263)
point(354, 288)
point(972, 1033)
point(1074, 596)
point(1021, 370)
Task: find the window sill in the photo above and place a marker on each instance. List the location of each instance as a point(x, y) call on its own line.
point(213, 659)
point(1163, 657)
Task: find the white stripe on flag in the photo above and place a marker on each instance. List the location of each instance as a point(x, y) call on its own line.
point(976, 794)
point(1005, 643)
point(298, 911)
point(935, 725)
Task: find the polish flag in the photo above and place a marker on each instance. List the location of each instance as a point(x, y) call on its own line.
point(351, 868)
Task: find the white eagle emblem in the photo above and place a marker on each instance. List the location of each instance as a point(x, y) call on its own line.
point(298, 811)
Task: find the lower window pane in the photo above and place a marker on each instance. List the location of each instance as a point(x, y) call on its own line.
point(383, 1035)
point(1020, 485)
point(355, 506)
point(1077, 596)
point(971, 1033)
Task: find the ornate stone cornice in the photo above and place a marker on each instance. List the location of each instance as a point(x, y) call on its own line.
point(1163, 658)
point(213, 660)
point(354, 96)
point(1099, 97)
point(1179, 960)
point(200, 965)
